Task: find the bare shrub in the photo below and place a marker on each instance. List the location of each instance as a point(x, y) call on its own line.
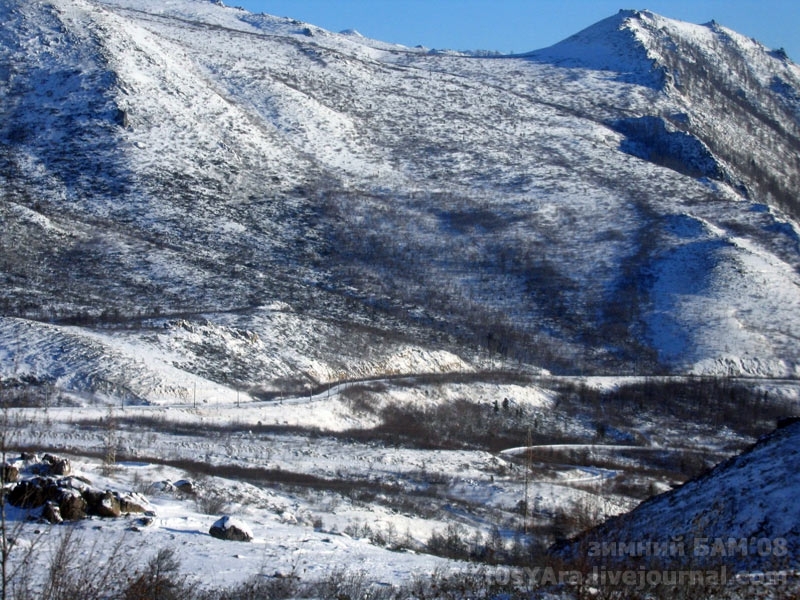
point(259, 587)
point(77, 572)
point(211, 503)
point(343, 583)
point(451, 543)
point(160, 580)
point(359, 398)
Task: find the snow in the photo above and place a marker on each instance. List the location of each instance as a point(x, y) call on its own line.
point(228, 522)
point(305, 228)
point(750, 497)
point(536, 152)
point(284, 540)
point(713, 280)
point(613, 44)
point(277, 548)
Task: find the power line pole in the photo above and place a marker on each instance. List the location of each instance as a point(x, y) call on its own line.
point(529, 443)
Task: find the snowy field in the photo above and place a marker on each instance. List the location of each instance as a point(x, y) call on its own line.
point(323, 489)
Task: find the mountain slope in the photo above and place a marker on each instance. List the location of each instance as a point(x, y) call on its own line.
point(186, 160)
point(742, 513)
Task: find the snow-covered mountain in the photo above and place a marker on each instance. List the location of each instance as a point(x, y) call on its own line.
point(742, 514)
point(196, 196)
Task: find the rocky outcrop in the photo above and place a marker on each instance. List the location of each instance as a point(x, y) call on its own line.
point(69, 498)
point(665, 143)
point(28, 493)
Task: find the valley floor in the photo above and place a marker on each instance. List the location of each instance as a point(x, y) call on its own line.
point(337, 481)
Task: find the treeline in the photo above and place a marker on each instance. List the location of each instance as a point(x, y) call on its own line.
point(714, 402)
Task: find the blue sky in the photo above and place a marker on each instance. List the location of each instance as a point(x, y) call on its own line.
point(522, 25)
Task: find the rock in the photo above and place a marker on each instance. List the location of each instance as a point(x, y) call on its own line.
point(72, 505)
point(36, 492)
point(61, 467)
point(122, 119)
point(145, 521)
point(140, 523)
point(229, 528)
point(10, 473)
point(102, 504)
point(50, 489)
point(57, 465)
point(185, 486)
point(77, 480)
point(109, 506)
point(52, 513)
point(132, 503)
point(28, 493)
point(165, 487)
point(70, 498)
point(74, 483)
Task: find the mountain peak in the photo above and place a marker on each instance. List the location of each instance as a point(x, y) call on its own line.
point(645, 48)
point(614, 44)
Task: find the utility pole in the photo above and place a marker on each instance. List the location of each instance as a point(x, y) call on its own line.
point(529, 443)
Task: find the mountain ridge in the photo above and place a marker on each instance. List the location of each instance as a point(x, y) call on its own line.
point(547, 214)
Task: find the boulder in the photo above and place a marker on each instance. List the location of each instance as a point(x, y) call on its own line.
point(122, 119)
point(108, 506)
point(231, 529)
point(10, 473)
point(28, 493)
point(140, 523)
point(145, 521)
point(185, 486)
point(75, 482)
point(61, 467)
point(102, 504)
point(51, 513)
point(165, 487)
point(72, 505)
point(57, 465)
point(132, 503)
